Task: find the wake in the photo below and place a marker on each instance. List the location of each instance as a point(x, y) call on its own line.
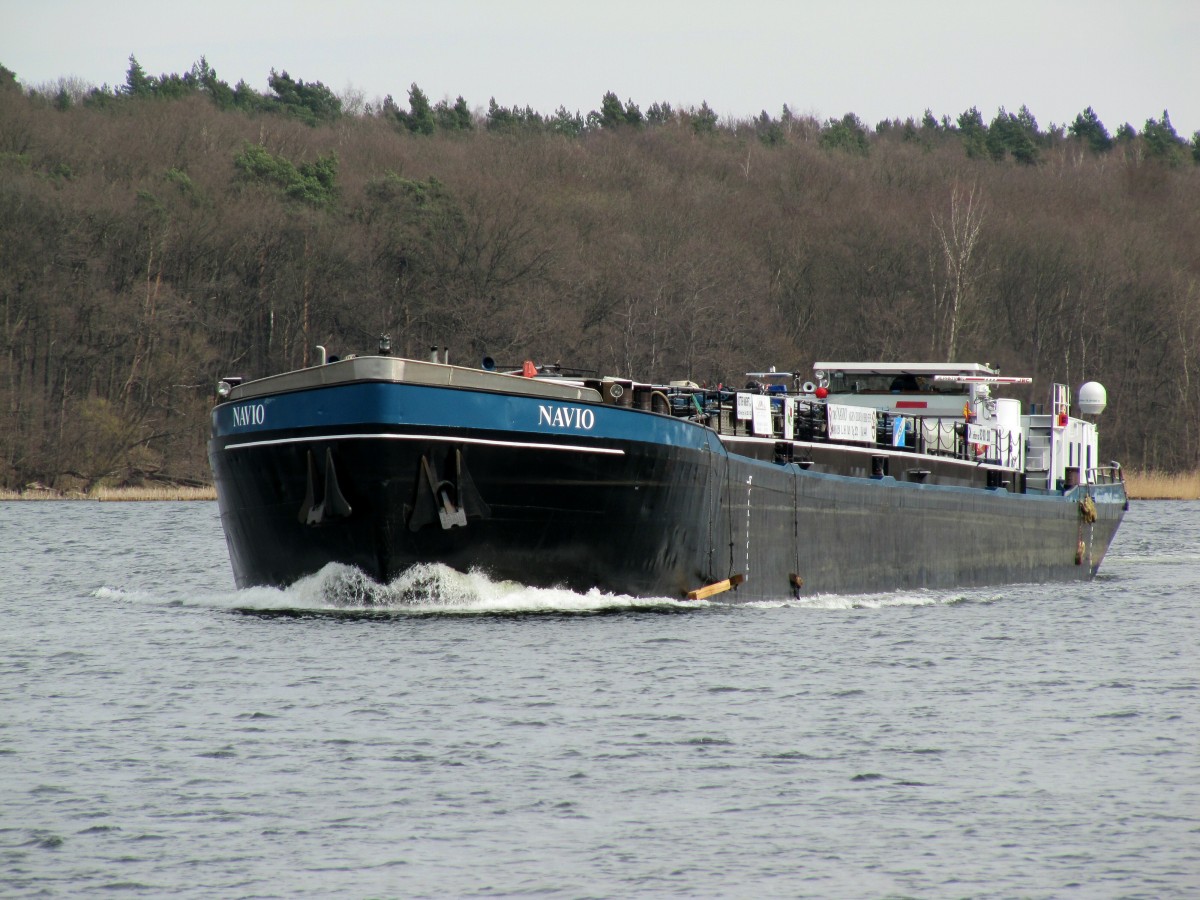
point(427, 588)
point(435, 589)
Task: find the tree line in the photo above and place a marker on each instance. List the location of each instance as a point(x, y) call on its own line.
point(159, 235)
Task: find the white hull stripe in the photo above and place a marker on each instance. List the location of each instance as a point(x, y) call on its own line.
point(524, 445)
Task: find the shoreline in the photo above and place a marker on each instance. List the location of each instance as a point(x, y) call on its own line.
point(114, 494)
point(1140, 486)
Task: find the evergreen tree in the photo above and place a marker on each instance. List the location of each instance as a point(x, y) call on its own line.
point(633, 115)
point(462, 113)
point(205, 79)
point(769, 131)
point(1162, 142)
point(1028, 123)
point(848, 134)
point(659, 113)
point(173, 86)
point(612, 113)
point(420, 114)
point(566, 123)
point(137, 82)
point(311, 183)
point(498, 117)
point(1013, 134)
point(101, 97)
point(528, 118)
point(704, 120)
point(312, 103)
point(1088, 128)
point(453, 118)
point(974, 133)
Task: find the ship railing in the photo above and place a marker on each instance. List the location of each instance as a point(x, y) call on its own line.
point(1106, 474)
point(927, 435)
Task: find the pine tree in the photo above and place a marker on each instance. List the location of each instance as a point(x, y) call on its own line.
point(1088, 128)
point(419, 119)
point(612, 113)
point(137, 82)
point(704, 120)
point(1162, 142)
point(847, 133)
point(974, 133)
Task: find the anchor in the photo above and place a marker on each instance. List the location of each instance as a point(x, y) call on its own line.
point(451, 498)
point(333, 504)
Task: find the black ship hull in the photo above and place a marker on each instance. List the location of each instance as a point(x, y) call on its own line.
point(518, 488)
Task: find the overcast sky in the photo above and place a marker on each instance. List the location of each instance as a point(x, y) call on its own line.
point(877, 58)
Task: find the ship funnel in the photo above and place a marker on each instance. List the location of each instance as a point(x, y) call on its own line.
point(1092, 398)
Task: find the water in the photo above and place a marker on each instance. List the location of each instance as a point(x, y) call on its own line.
point(162, 733)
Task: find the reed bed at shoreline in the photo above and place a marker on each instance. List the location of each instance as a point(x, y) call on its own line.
point(1163, 485)
point(1140, 485)
point(116, 494)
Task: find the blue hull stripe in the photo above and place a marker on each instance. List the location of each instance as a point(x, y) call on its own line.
point(353, 406)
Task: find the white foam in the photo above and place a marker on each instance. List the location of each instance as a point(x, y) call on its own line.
point(430, 587)
point(434, 588)
point(862, 601)
point(123, 596)
point(424, 588)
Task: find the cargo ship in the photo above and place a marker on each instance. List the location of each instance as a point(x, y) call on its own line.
point(860, 478)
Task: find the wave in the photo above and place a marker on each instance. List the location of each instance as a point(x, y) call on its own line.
point(435, 589)
point(875, 601)
point(427, 588)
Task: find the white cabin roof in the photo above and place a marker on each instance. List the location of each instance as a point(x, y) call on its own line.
point(914, 368)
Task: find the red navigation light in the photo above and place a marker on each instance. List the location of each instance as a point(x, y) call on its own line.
point(822, 393)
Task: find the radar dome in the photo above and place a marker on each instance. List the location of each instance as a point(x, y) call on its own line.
point(1092, 398)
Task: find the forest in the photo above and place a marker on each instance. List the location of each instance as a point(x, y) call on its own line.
point(158, 235)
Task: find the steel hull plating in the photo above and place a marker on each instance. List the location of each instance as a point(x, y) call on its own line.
point(550, 493)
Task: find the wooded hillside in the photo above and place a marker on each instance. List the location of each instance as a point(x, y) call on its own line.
point(163, 234)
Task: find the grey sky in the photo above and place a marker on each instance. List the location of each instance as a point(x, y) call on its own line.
point(877, 58)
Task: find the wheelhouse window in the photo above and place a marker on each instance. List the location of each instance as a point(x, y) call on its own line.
point(856, 383)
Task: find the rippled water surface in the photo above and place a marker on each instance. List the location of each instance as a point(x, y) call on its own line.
point(164, 734)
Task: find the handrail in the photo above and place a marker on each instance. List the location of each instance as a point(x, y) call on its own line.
point(1106, 475)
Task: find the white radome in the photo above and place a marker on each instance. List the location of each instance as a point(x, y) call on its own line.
point(1092, 398)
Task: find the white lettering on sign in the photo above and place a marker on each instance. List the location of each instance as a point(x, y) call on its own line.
point(760, 405)
point(251, 414)
point(983, 435)
point(745, 407)
point(851, 423)
point(566, 417)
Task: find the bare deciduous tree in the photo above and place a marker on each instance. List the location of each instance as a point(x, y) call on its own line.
point(957, 268)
